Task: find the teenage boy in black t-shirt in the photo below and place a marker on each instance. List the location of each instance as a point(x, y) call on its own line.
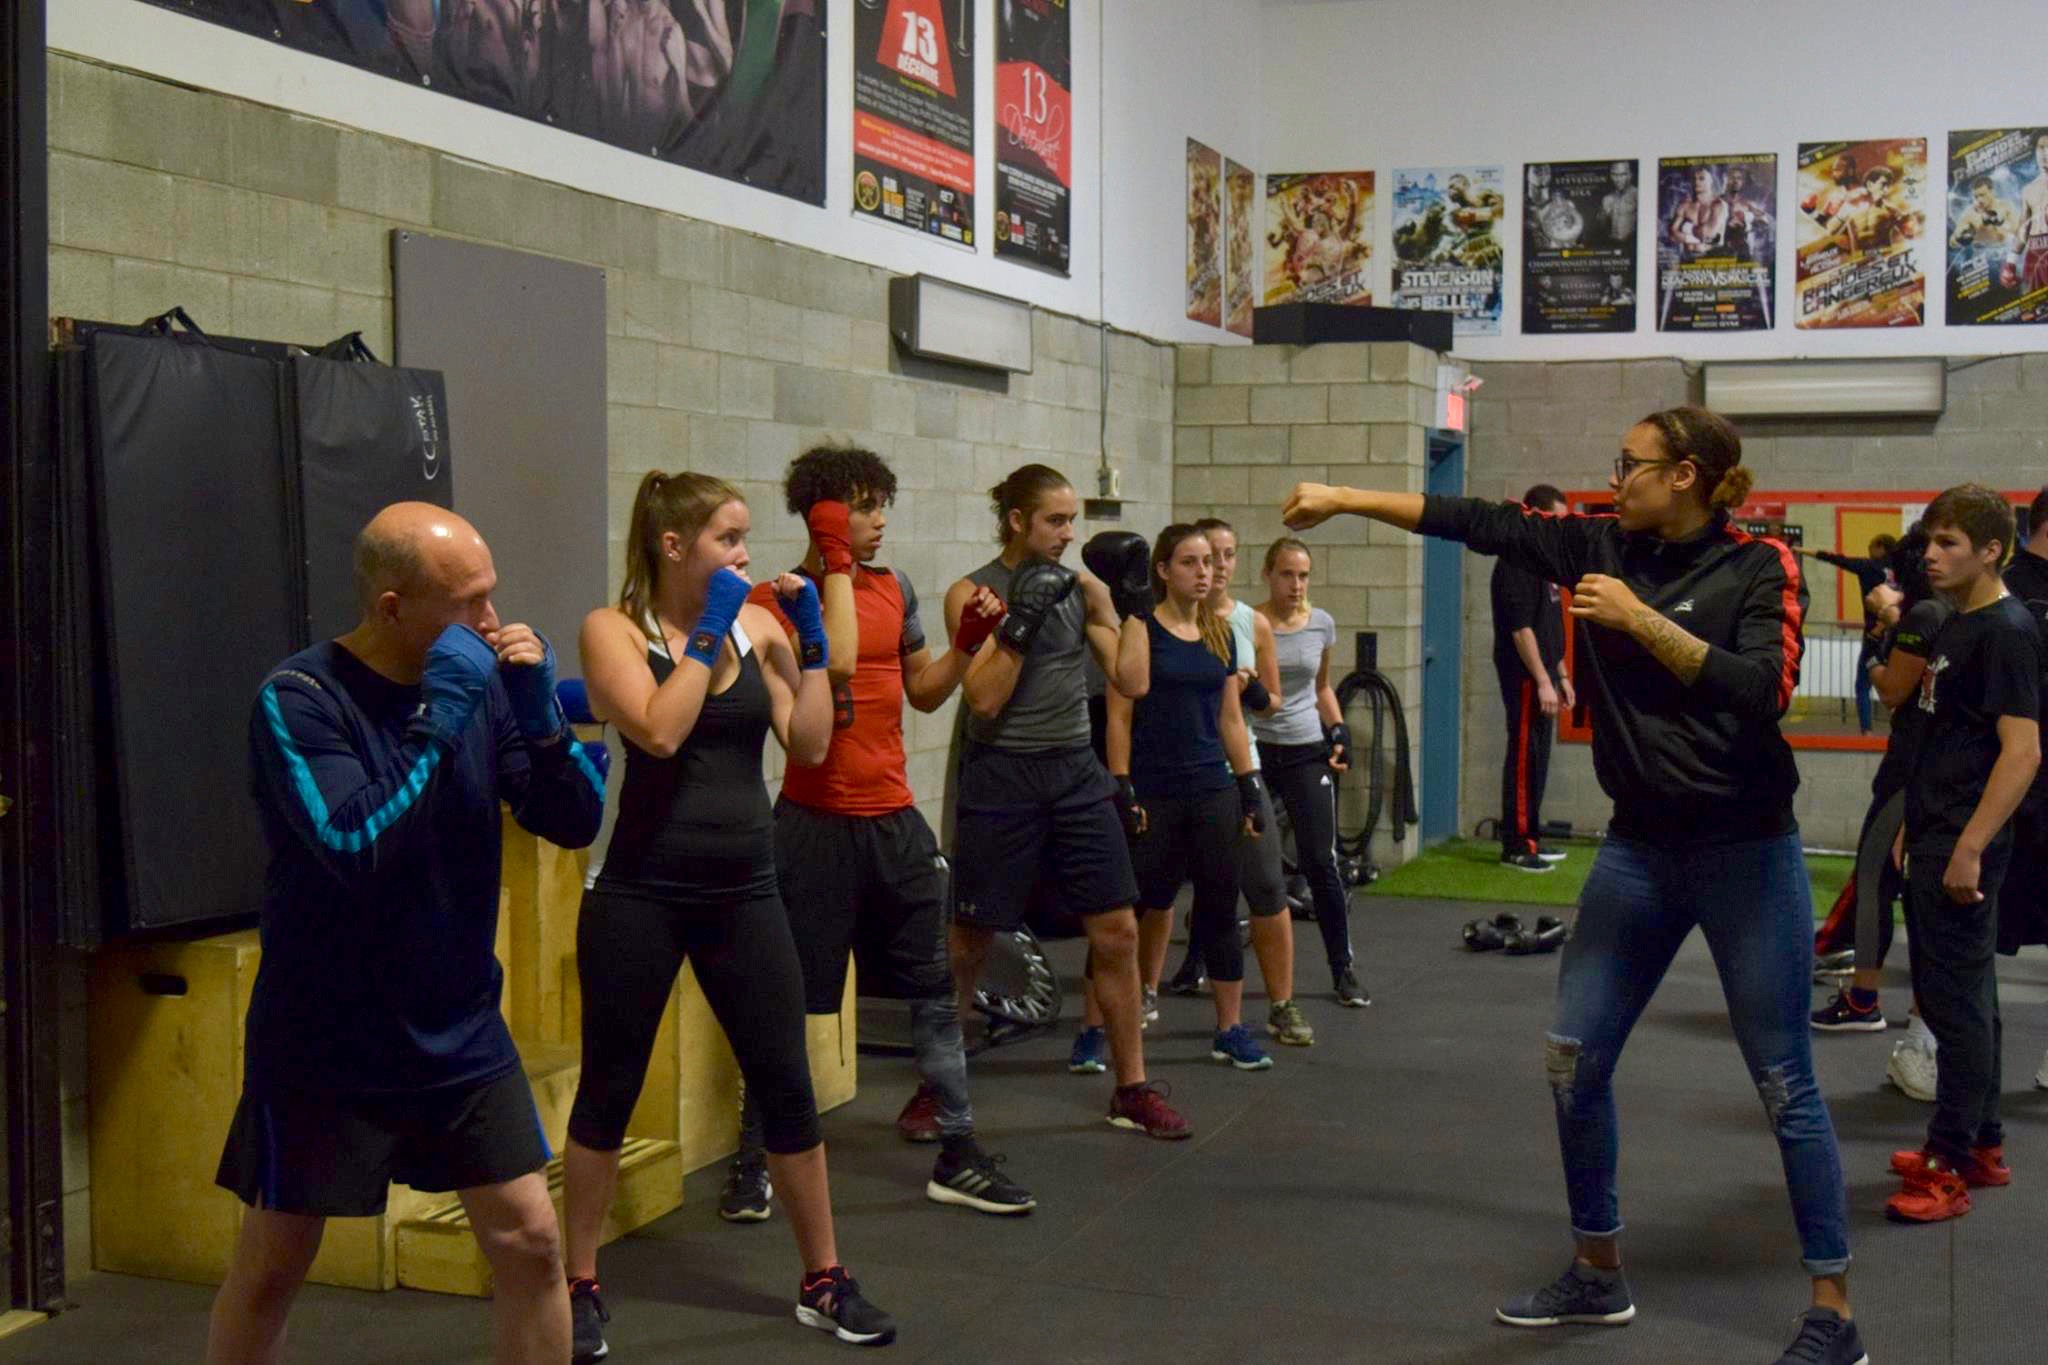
point(1979, 750)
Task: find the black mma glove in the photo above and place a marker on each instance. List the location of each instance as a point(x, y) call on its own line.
point(1039, 586)
point(1255, 694)
point(1127, 808)
point(1249, 790)
point(1123, 561)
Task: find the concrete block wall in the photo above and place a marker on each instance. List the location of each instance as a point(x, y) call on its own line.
point(1252, 421)
point(726, 352)
point(1561, 423)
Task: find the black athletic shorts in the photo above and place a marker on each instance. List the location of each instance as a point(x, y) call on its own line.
point(871, 884)
point(1027, 820)
point(336, 1155)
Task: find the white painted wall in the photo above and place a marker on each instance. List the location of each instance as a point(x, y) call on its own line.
point(1356, 84)
point(1183, 67)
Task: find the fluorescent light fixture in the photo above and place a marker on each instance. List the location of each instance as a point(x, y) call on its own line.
point(1915, 386)
point(951, 322)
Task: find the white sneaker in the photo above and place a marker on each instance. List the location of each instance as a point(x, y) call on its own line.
point(2041, 1076)
point(1912, 1069)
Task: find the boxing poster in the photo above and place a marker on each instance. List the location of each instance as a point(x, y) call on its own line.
point(1861, 217)
point(1997, 226)
point(1240, 260)
point(1579, 264)
point(1319, 238)
point(1034, 132)
point(1205, 234)
point(734, 88)
point(1447, 244)
point(913, 116)
point(1717, 243)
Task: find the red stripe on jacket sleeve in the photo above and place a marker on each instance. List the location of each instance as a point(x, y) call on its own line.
point(1791, 618)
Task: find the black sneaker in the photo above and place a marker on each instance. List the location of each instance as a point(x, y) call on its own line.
point(1574, 1296)
point(1524, 862)
point(831, 1301)
point(1189, 980)
point(747, 1192)
point(1825, 1339)
point(973, 1179)
point(1549, 854)
point(587, 1317)
point(1843, 1015)
point(1349, 991)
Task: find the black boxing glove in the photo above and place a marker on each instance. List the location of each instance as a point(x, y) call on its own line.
point(1338, 737)
point(1127, 808)
point(1123, 561)
point(1039, 586)
point(1255, 694)
point(1249, 790)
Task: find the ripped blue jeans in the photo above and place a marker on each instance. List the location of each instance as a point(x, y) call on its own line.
point(1753, 902)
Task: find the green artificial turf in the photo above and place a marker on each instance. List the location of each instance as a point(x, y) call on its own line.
point(1470, 870)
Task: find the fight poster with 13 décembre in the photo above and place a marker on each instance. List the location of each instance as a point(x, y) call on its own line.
point(1448, 255)
point(1997, 226)
point(1717, 243)
point(1862, 218)
point(913, 116)
point(1034, 133)
point(1579, 258)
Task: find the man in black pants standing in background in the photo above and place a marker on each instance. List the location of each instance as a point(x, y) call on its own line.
point(2023, 907)
point(1528, 653)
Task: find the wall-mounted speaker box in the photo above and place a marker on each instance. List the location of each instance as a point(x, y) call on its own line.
point(1304, 324)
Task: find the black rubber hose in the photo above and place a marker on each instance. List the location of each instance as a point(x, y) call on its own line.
point(1381, 698)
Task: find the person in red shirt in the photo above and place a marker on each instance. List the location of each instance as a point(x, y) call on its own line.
point(860, 869)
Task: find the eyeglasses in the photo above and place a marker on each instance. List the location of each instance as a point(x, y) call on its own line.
point(1626, 466)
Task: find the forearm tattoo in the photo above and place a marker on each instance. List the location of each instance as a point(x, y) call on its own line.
point(1680, 651)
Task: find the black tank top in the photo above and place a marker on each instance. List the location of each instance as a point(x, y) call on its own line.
point(699, 824)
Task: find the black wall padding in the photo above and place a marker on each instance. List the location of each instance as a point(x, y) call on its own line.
point(200, 596)
point(368, 435)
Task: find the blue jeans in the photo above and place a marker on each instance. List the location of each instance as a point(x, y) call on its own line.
point(1640, 902)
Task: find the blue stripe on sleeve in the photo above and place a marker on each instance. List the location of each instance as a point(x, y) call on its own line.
point(343, 840)
point(589, 769)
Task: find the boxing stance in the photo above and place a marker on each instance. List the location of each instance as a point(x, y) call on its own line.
point(374, 1049)
point(1035, 806)
point(859, 869)
point(1693, 635)
point(695, 678)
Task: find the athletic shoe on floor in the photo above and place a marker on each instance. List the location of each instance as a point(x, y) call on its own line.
point(1350, 991)
point(1842, 1015)
point(747, 1192)
point(1985, 1166)
point(1189, 980)
point(1143, 1108)
point(587, 1317)
point(1831, 967)
point(1573, 1297)
point(1549, 854)
point(1524, 862)
point(919, 1121)
point(1913, 1068)
point(973, 1179)
point(1090, 1056)
point(1286, 1022)
point(831, 1301)
point(1150, 1002)
point(1825, 1339)
point(1237, 1046)
point(2041, 1076)
point(1931, 1194)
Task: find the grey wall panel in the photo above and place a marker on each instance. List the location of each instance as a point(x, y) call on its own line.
point(520, 340)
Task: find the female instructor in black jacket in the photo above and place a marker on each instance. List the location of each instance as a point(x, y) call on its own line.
point(1694, 637)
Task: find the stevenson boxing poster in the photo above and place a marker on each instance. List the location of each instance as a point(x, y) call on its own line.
point(1034, 132)
point(1861, 219)
point(1205, 234)
point(734, 88)
point(1240, 257)
point(1319, 238)
point(913, 116)
point(1717, 243)
point(1579, 263)
point(1997, 226)
point(1447, 244)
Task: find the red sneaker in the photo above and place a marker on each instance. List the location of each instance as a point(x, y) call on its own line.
point(1931, 1194)
point(919, 1121)
point(1143, 1108)
point(1986, 1165)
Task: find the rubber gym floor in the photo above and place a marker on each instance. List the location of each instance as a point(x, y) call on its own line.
point(1368, 1199)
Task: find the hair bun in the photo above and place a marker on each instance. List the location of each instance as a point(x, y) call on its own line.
point(1733, 490)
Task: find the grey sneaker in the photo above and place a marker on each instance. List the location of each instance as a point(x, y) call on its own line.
point(1286, 1022)
point(1825, 1339)
point(1150, 1003)
point(1574, 1297)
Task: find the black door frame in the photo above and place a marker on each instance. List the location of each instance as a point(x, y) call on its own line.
point(32, 1253)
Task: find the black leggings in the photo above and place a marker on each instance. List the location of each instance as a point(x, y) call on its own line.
point(629, 947)
point(1195, 837)
point(1300, 777)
